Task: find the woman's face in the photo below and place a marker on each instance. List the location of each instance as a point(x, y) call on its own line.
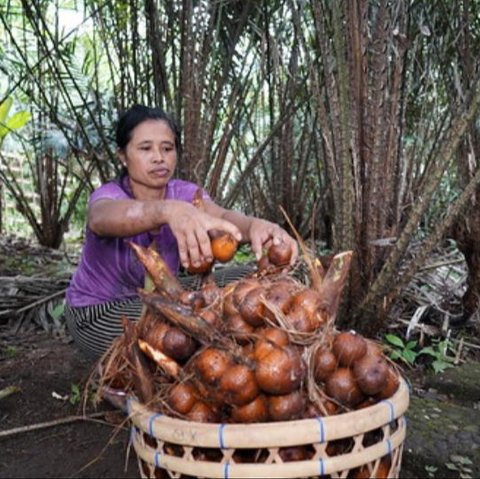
point(150, 157)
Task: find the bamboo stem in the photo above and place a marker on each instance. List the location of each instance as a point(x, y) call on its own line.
point(387, 277)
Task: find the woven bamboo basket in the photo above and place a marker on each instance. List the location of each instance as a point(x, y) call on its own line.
point(369, 439)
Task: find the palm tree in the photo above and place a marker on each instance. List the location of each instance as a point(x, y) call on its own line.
point(385, 159)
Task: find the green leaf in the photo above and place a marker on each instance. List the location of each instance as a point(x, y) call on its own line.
point(58, 311)
point(444, 347)
point(16, 121)
point(19, 119)
point(75, 394)
point(409, 356)
point(428, 350)
point(411, 344)
point(395, 355)
point(5, 108)
point(439, 366)
point(11, 351)
point(460, 459)
point(395, 340)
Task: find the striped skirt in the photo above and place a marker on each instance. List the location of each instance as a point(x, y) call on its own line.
point(93, 328)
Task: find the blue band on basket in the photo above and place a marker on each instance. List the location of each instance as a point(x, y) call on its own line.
point(220, 436)
point(150, 423)
point(322, 429)
point(226, 470)
point(157, 459)
point(321, 467)
point(392, 409)
point(389, 447)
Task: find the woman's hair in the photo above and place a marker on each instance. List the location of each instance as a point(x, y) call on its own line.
point(137, 114)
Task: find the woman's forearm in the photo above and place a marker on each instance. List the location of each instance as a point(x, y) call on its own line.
point(126, 217)
point(189, 225)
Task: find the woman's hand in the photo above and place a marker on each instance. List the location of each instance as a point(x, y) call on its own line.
point(263, 233)
point(190, 226)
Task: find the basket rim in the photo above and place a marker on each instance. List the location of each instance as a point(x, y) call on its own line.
point(269, 434)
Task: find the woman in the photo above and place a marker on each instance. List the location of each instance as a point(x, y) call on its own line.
point(145, 204)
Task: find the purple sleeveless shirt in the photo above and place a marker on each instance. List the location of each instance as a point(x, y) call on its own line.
point(109, 269)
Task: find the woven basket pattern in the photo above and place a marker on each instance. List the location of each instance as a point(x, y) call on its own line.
point(363, 443)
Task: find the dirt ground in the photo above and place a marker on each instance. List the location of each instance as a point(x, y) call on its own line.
point(49, 372)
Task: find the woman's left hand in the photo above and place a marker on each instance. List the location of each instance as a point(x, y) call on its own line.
point(263, 233)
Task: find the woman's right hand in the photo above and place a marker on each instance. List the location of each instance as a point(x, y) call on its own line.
point(190, 226)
